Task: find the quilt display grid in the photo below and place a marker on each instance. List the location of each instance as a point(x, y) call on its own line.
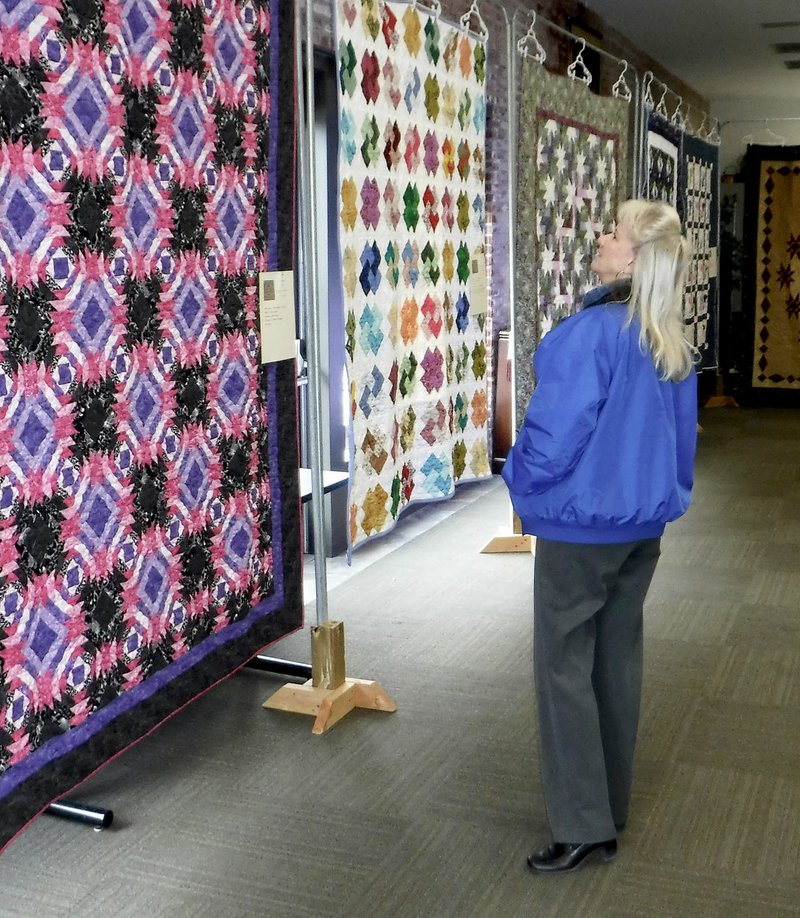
point(700, 195)
point(773, 207)
point(412, 221)
point(572, 174)
point(149, 532)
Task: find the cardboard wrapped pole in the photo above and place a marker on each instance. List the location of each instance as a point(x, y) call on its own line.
point(327, 655)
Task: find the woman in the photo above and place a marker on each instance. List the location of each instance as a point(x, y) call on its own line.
point(603, 461)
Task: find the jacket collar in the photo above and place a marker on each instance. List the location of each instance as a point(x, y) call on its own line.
point(615, 292)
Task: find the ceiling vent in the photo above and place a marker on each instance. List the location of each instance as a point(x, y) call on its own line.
point(787, 47)
point(793, 64)
point(780, 25)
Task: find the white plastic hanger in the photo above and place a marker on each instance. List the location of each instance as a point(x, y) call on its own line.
point(474, 12)
point(661, 108)
point(620, 89)
point(647, 89)
point(572, 70)
point(771, 137)
point(529, 38)
point(678, 117)
point(434, 7)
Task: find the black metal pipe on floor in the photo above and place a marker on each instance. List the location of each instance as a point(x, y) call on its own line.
point(95, 816)
point(267, 664)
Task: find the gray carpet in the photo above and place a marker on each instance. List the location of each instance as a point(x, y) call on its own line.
point(231, 810)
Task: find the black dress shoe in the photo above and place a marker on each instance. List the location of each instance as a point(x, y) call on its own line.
point(559, 856)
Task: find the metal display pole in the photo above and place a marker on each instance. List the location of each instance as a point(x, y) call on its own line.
point(264, 662)
point(329, 695)
point(308, 230)
point(637, 140)
point(511, 124)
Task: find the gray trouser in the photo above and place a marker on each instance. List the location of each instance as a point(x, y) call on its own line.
point(587, 649)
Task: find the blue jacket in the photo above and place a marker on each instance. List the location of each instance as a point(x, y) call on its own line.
point(606, 451)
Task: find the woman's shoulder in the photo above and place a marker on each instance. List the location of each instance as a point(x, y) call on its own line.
point(588, 328)
point(610, 316)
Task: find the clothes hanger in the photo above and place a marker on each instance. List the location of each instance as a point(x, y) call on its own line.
point(678, 118)
point(482, 31)
point(620, 89)
point(661, 108)
point(647, 89)
point(538, 54)
point(771, 137)
point(434, 7)
point(572, 70)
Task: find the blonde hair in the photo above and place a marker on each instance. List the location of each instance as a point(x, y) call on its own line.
point(658, 278)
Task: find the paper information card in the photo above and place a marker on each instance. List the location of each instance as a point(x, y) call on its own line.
point(276, 315)
point(479, 284)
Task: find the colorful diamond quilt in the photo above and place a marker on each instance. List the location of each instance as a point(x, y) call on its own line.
point(149, 533)
point(572, 161)
point(412, 225)
point(700, 196)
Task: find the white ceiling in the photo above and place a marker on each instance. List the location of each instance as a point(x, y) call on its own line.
point(719, 48)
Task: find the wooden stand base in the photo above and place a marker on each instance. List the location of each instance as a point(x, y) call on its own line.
point(517, 542)
point(721, 401)
point(509, 543)
point(329, 706)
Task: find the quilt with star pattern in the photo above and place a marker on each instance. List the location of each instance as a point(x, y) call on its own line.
point(572, 170)
point(412, 102)
point(149, 530)
point(772, 280)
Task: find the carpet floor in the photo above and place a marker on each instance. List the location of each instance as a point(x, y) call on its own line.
point(231, 810)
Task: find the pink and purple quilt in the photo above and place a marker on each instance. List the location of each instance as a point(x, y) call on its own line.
point(149, 533)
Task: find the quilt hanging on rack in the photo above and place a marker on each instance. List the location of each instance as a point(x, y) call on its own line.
point(699, 192)
point(773, 208)
point(663, 160)
point(412, 224)
point(572, 162)
point(149, 523)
